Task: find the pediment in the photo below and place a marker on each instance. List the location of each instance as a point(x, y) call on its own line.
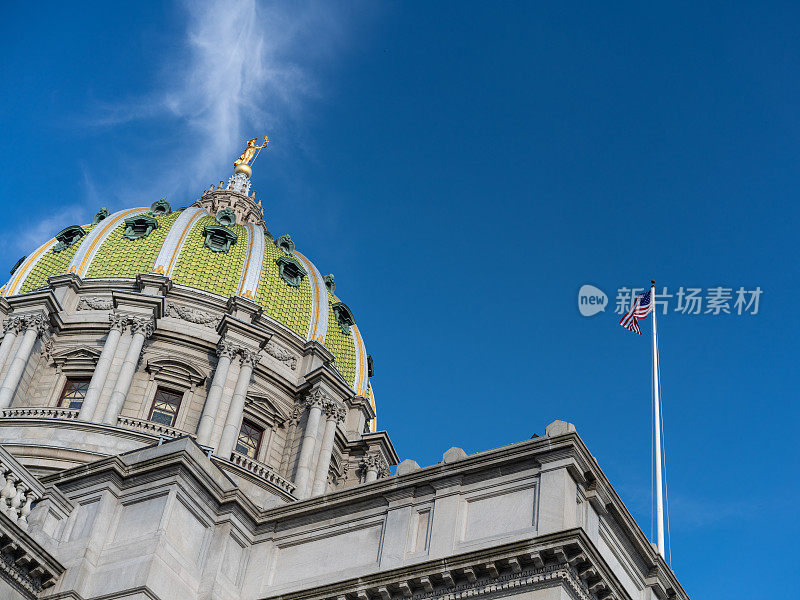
point(266, 405)
point(75, 357)
point(174, 369)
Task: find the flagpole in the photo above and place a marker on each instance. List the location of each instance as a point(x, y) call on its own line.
point(657, 412)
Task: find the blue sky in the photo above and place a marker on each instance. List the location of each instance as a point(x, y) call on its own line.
point(463, 168)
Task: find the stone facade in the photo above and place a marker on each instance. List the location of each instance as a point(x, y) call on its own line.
point(160, 441)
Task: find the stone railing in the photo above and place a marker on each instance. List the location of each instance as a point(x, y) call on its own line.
point(40, 412)
point(151, 427)
point(261, 471)
point(19, 490)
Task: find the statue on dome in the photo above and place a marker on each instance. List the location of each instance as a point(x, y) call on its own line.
point(250, 153)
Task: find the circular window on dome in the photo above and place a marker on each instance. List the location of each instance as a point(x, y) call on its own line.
point(226, 217)
point(291, 271)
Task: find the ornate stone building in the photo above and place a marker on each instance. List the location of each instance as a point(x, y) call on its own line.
point(186, 413)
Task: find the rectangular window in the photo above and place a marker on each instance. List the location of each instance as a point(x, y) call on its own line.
point(249, 439)
point(165, 407)
point(73, 393)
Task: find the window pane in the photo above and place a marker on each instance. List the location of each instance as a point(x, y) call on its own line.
point(73, 393)
point(249, 439)
point(165, 407)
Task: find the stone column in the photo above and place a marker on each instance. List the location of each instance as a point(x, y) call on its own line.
point(230, 432)
point(103, 365)
point(308, 443)
point(225, 351)
point(35, 325)
point(372, 465)
point(292, 421)
point(141, 328)
point(334, 414)
point(11, 326)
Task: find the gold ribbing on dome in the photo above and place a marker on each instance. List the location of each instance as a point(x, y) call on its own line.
point(251, 151)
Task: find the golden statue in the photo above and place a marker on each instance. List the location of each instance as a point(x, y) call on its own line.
point(242, 164)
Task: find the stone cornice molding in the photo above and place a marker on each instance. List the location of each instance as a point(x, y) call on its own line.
point(567, 558)
point(24, 561)
point(138, 303)
point(244, 332)
point(153, 283)
point(43, 301)
point(68, 280)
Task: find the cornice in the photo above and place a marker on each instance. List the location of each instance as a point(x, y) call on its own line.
point(124, 300)
point(44, 300)
point(566, 558)
point(24, 561)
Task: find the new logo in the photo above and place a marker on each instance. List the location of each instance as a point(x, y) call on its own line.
point(591, 300)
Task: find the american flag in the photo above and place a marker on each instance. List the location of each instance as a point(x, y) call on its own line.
point(641, 307)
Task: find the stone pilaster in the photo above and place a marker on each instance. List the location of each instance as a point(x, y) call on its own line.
point(141, 328)
point(225, 351)
point(316, 400)
point(233, 421)
point(117, 325)
point(12, 327)
point(335, 413)
point(34, 326)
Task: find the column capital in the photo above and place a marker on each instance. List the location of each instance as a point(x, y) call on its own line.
point(143, 325)
point(317, 397)
point(38, 322)
point(117, 321)
point(375, 462)
point(227, 348)
point(334, 410)
point(250, 357)
point(13, 325)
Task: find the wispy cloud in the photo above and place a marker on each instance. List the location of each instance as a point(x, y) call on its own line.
point(242, 71)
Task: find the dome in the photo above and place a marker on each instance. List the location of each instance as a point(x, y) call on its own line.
point(219, 246)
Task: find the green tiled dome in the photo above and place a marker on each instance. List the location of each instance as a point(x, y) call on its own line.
point(195, 248)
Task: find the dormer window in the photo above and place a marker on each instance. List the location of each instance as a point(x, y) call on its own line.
point(100, 215)
point(290, 270)
point(344, 317)
point(67, 237)
point(17, 264)
point(218, 239)
point(139, 227)
point(160, 207)
point(226, 217)
point(330, 283)
point(285, 244)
